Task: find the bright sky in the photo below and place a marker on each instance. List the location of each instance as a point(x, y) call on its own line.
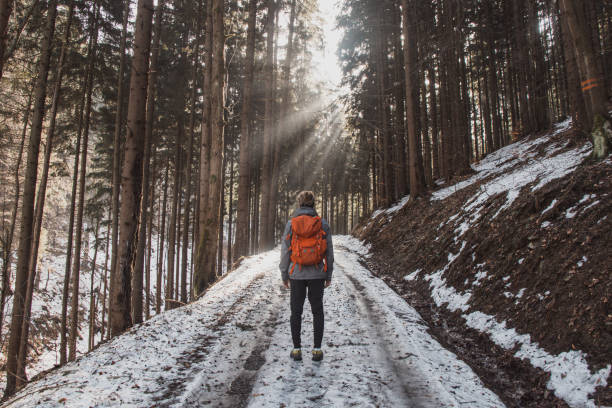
point(327, 64)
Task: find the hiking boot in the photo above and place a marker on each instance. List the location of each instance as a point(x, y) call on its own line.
point(296, 354)
point(317, 355)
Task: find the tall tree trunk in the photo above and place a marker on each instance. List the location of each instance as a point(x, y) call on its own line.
point(73, 196)
point(256, 198)
point(400, 166)
point(147, 302)
point(177, 251)
point(207, 247)
point(433, 103)
point(105, 279)
point(132, 170)
point(160, 252)
point(92, 297)
point(539, 82)
point(266, 177)
point(276, 144)
point(27, 210)
point(172, 237)
point(200, 280)
point(137, 275)
point(116, 188)
point(8, 239)
point(40, 203)
point(576, 101)
point(242, 217)
point(6, 9)
point(76, 265)
point(221, 218)
point(425, 130)
point(383, 104)
point(230, 214)
point(217, 110)
point(192, 116)
point(521, 62)
point(409, 43)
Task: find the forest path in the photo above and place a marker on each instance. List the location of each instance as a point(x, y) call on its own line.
point(231, 348)
point(372, 356)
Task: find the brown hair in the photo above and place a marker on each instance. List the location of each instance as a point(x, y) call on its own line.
point(306, 198)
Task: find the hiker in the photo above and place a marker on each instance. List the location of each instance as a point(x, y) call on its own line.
point(307, 262)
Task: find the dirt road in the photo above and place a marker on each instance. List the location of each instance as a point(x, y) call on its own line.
point(231, 349)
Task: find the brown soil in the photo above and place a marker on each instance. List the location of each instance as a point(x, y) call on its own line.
point(566, 300)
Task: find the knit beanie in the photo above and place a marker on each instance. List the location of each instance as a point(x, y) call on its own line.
point(306, 198)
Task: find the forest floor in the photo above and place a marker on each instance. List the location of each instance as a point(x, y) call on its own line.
point(510, 268)
point(231, 348)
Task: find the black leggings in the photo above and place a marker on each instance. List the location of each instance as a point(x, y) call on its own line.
point(315, 297)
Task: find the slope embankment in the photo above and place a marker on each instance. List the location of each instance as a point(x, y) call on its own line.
point(511, 268)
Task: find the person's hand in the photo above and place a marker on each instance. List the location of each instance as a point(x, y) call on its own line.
point(327, 283)
point(286, 283)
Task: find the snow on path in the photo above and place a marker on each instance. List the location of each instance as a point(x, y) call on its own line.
point(231, 348)
point(378, 353)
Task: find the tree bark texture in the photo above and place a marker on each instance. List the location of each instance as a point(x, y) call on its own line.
point(409, 44)
point(76, 266)
point(160, 253)
point(192, 116)
point(242, 218)
point(137, 276)
point(208, 241)
point(116, 188)
point(268, 148)
point(200, 279)
point(73, 196)
point(131, 174)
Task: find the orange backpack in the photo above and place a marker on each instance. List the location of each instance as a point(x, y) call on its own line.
point(308, 244)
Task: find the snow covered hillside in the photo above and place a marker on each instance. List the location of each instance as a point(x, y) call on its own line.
point(47, 304)
point(231, 348)
point(515, 260)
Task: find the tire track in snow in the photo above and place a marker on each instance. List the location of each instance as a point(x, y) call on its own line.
point(240, 346)
point(369, 358)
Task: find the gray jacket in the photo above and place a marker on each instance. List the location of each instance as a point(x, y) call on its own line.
point(310, 271)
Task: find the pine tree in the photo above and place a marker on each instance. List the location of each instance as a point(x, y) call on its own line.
point(131, 186)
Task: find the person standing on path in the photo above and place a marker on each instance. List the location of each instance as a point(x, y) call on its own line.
point(306, 265)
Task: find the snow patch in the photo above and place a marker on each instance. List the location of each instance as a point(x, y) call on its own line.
point(527, 169)
point(392, 210)
point(412, 276)
point(550, 206)
point(479, 277)
point(570, 377)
